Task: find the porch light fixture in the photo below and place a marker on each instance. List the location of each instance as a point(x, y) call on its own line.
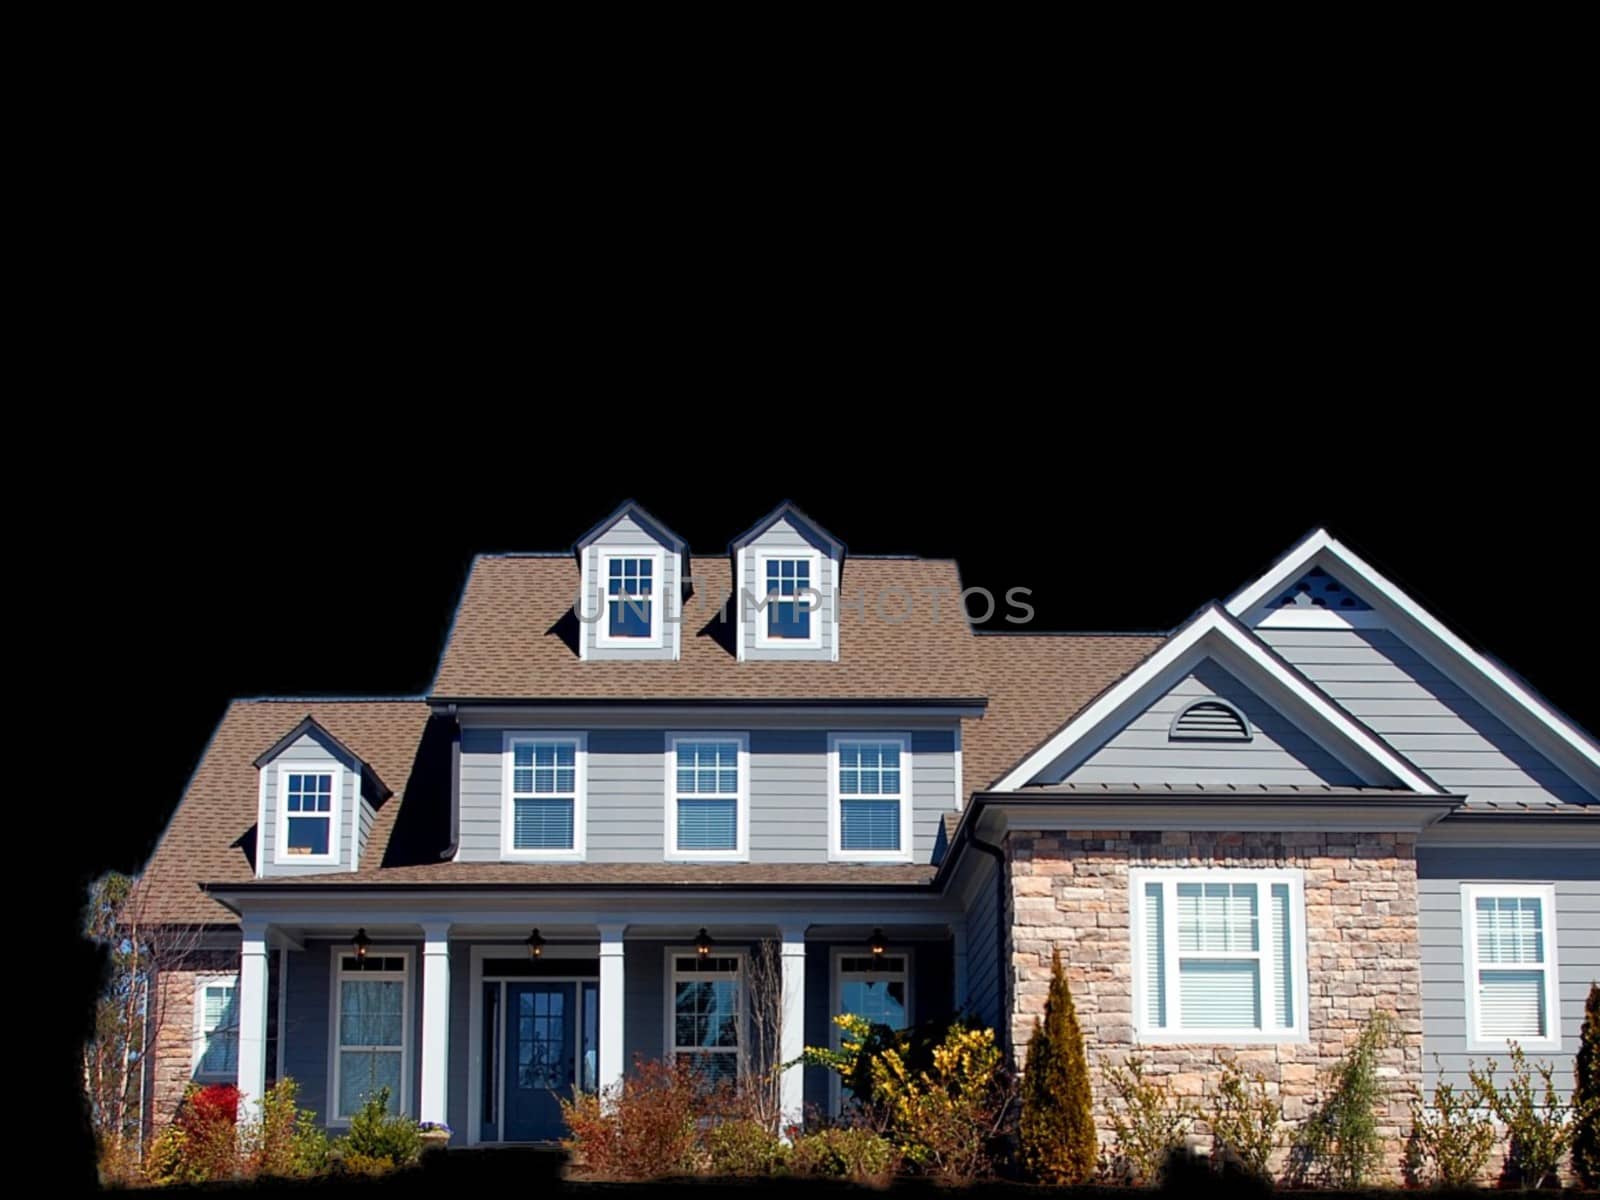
point(876, 944)
point(361, 941)
point(702, 943)
point(535, 945)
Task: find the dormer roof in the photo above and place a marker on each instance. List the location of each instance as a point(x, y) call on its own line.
point(636, 511)
point(372, 785)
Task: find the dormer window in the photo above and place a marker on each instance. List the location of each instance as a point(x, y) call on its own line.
point(791, 591)
point(308, 814)
point(631, 609)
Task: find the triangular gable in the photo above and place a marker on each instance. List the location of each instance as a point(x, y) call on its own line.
point(372, 785)
point(1493, 685)
point(1211, 635)
point(802, 524)
point(632, 509)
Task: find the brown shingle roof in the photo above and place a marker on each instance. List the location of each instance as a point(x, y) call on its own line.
point(515, 637)
point(1035, 684)
point(212, 834)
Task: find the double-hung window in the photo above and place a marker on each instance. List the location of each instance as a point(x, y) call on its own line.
point(708, 795)
point(791, 593)
point(1510, 956)
point(544, 795)
point(308, 813)
point(631, 595)
point(706, 1013)
point(216, 1027)
point(870, 793)
point(371, 1021)
point(1219, 954)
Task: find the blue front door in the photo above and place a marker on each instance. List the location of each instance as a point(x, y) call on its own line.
point(540, 1059)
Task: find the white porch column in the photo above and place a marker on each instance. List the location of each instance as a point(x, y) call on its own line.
point(252, 1019)
point(435, 1021)
point(958, 955)
point(611, 997)
point(792, 1024)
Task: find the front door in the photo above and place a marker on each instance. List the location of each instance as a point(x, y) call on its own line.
point(540, 1059)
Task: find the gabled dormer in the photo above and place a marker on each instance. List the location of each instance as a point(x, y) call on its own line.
point(786, 571)
point(317, 802)
point(633, 575)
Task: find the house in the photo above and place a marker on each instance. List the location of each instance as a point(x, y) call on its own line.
point(637, 764)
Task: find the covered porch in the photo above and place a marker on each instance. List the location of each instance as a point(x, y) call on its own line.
point(472, 1018)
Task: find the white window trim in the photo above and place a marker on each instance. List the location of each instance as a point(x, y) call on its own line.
point(1546, 894)
point(198, 1048)
point(907, 833)
point(580, 783)
point(280, 850)
point(836, 975)
point(670, 1005)
point(818, 605)
point(658, 597)
point(1173, 1033)
point(741, 850)
point(336, 973)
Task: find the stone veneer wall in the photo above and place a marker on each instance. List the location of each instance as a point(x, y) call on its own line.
point(174, 1038)
point(1071, 889)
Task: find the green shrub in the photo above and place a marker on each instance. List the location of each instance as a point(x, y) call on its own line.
point(376, 1134)
point(1056, 1130)
point(851, 1153)
point(1586, 1094)
point(1244, 1121)
point(944, 1118)
point(1339, 1145)
point(1150, 1124)
point(1539, 1134)
point(1450, 1139)
point(745, 1147)
point(285, 1141)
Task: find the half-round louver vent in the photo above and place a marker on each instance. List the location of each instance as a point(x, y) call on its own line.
point(1211, 720)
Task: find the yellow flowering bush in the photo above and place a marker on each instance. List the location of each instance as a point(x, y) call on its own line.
point(942, 1119)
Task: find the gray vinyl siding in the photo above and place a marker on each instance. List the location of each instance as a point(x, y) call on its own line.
point(1409, 702)
point(365, 816)
point(626, 535)
point(1440, 873)
point(1279, 752)
point(785, 536)
point(983, 933)
point(627, 794)
point(311, 752)
point(307, 1028)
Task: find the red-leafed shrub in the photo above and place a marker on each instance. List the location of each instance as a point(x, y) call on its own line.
point(643, 1129)
point(210, 1105)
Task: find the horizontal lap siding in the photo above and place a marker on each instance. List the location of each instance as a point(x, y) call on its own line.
point(788, 795)
point(1408, 702)
point(1441, 872)
point(1279, 752)
point(309, 752)
point(627, 796)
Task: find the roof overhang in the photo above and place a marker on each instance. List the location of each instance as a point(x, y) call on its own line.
point(1352, 812)
point(1490, 683)
point(653, 706)
point(1213, 633)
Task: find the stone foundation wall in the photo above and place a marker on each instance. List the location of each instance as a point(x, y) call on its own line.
point(1071, 890)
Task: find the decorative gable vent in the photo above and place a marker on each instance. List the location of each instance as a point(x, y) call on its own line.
point(1317, 589)
point(1210, 721)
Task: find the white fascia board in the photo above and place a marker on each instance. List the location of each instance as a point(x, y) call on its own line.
point(1526, 705)
point(1188, 646)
